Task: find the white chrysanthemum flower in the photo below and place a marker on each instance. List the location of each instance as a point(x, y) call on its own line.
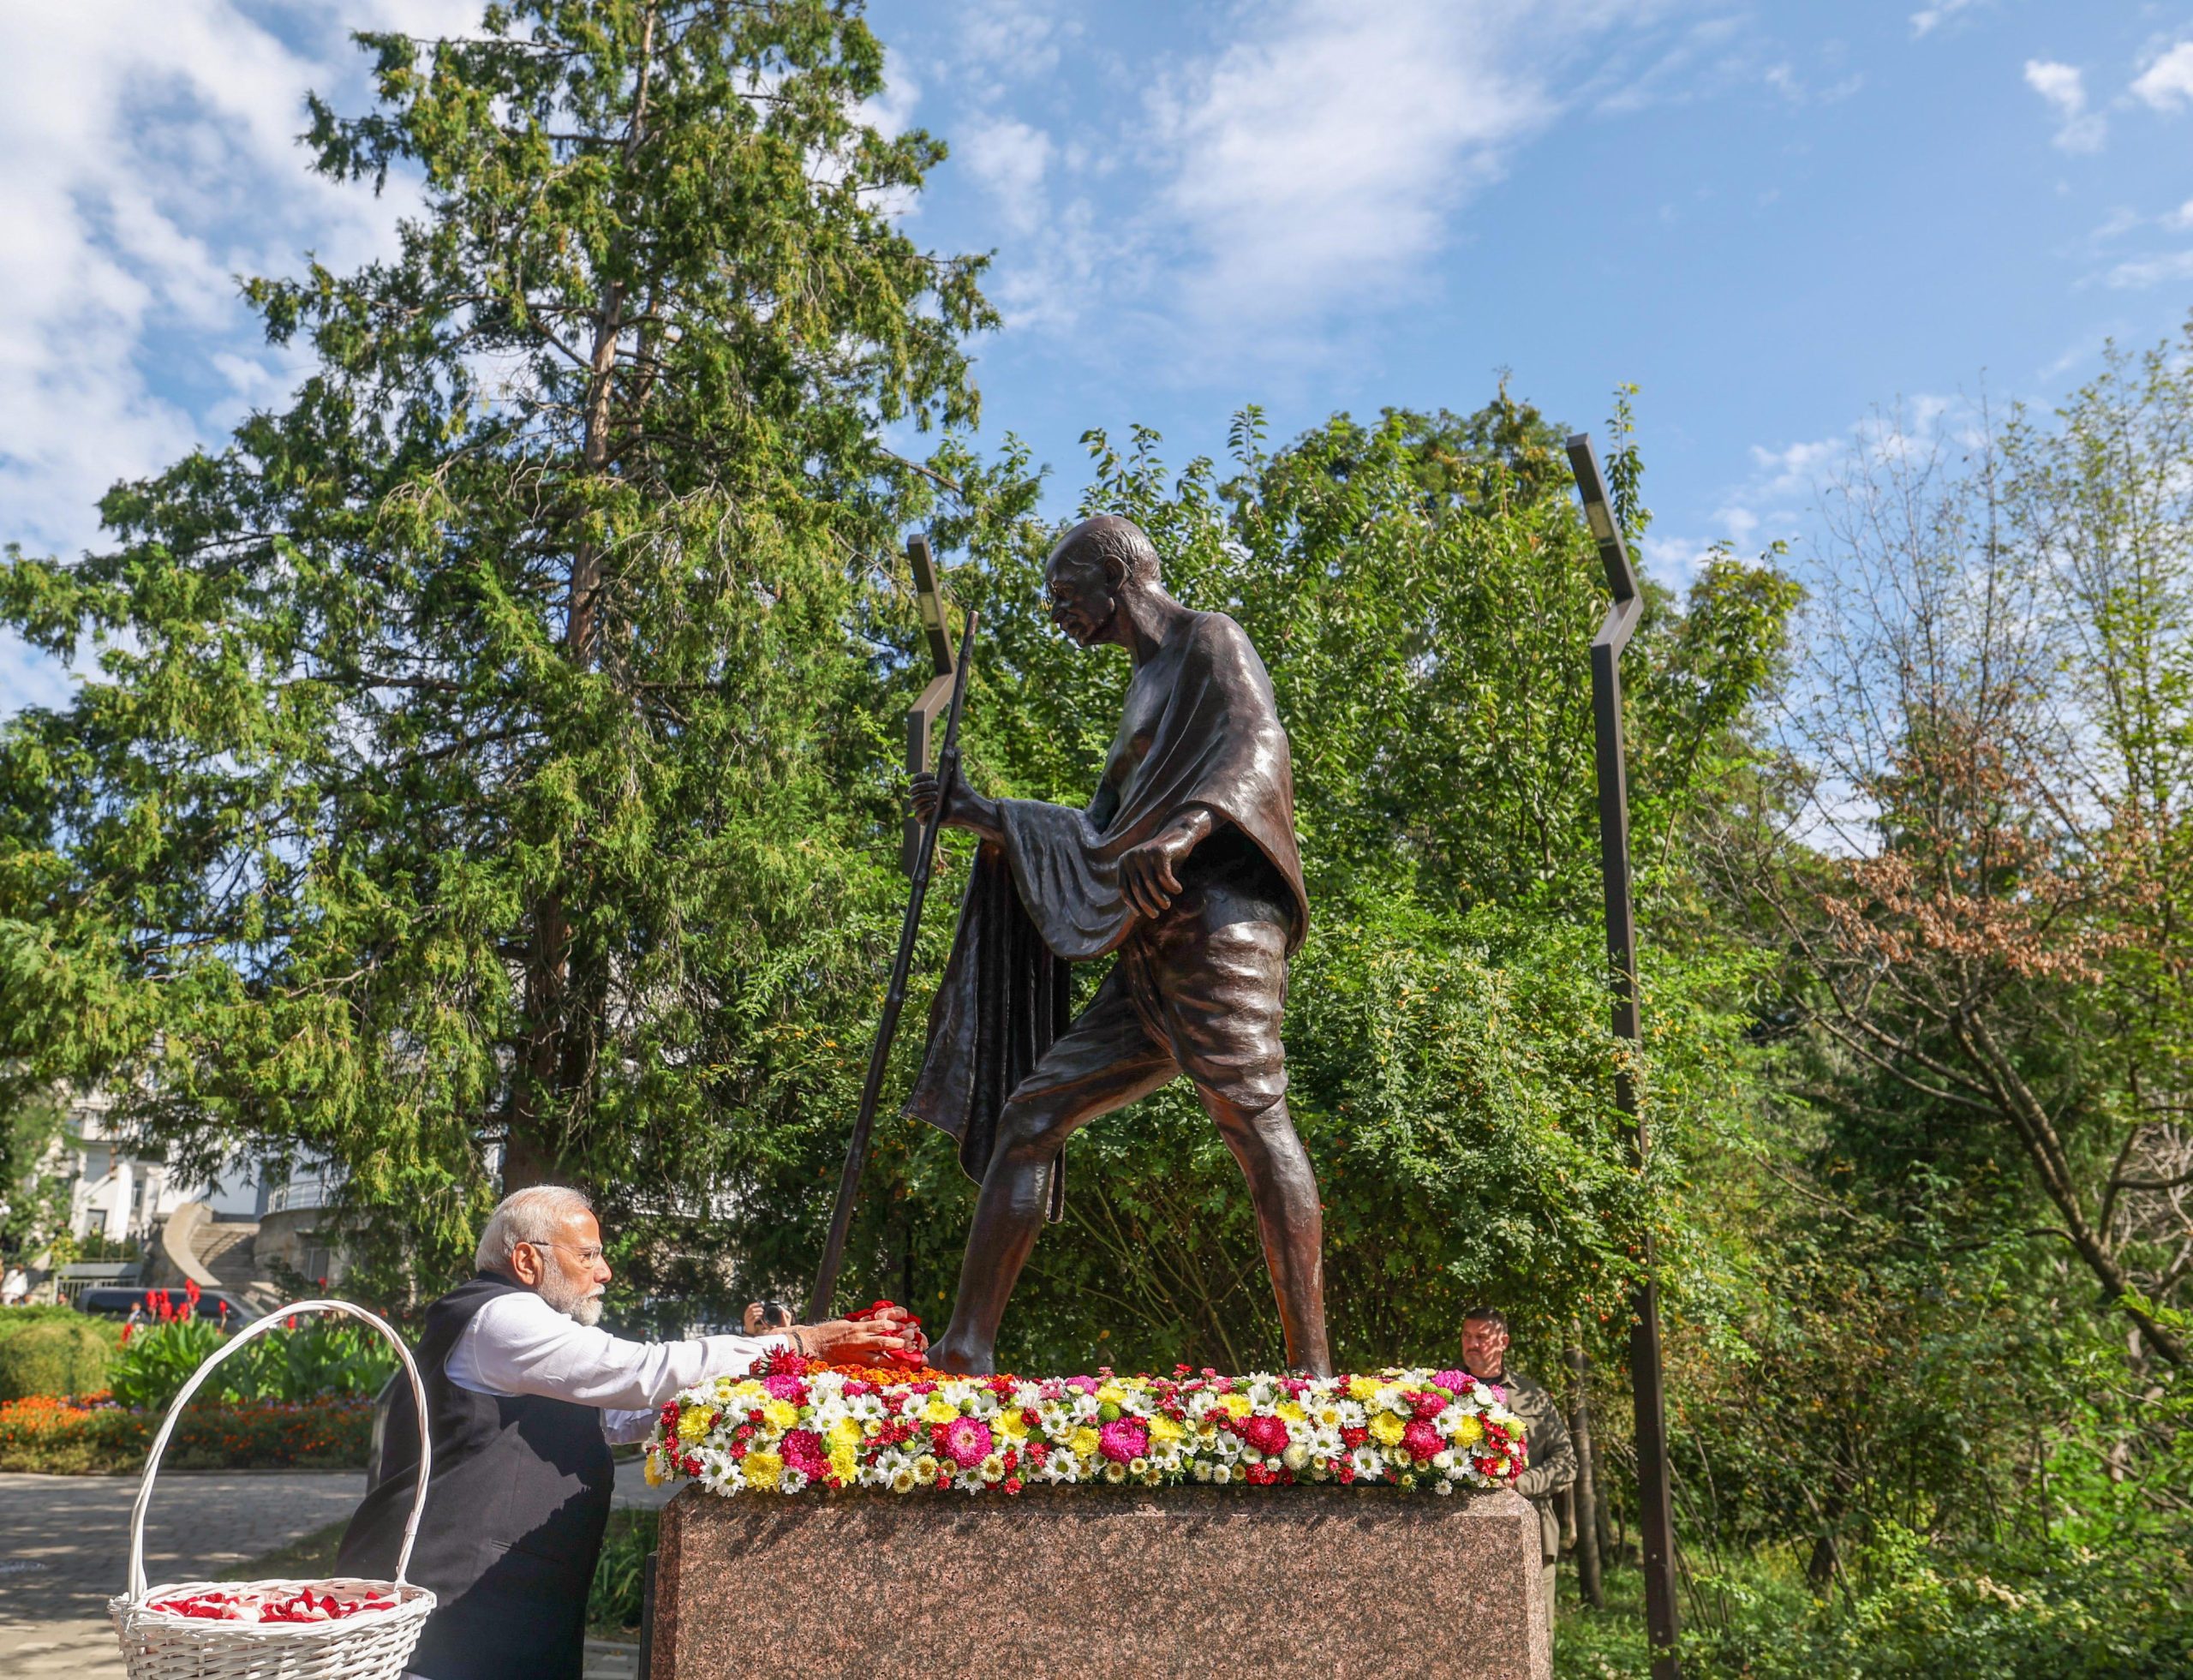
point(1442, 1486)
point(1443, 1459)
point(960, 1391)
point(1262, 1391)
point(903, 1479)
point(1367, 1461)
point(1202, 1470)
point(868, 1407)
point(1459, 1470)
point(1295, 1456)
point(981, 1404)
point(1351, 1414)
point(1084, 1408)
point(793, 1479)
point(1222, 1473)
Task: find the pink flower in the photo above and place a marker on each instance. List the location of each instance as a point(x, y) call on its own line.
point(1454, 1382)
point(1422, 1438)
point(966, 1442)
point(1126, 1439)
point(1267, 1435)
point(803, 1450)
point(1429, 1405)
point(786, 1388)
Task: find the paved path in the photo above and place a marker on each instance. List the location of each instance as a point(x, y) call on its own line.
point(65, 1550)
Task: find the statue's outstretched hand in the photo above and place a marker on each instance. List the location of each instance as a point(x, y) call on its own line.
point(965, 809)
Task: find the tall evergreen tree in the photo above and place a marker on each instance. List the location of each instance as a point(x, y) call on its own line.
point(476, 751)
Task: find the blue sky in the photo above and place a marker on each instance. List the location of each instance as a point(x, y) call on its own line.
point(1773, 218)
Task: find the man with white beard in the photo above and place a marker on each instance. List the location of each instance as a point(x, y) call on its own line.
point(524, 1396)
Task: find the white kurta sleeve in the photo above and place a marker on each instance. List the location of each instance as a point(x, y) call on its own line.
point(519, 1344)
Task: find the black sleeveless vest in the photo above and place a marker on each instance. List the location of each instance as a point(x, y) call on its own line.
point(516, 1506)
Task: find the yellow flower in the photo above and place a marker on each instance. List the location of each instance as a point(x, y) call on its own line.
point(844, 1437)
point(843, 1464)
point(763, 1471)
point(1013, 1424)
point(693, 1424)
point(1468, 1432)
point(1083, 1442)
point(1112, 1394)
point(1291, 1411)
point(925, 1467)
point(1362, 1388)
point(1235, 1405)
point(1387, 1428)
point(779, 1413)
point(747, 1394)
point(653, 1471)
point(939, 1410)
point(1162, 1428)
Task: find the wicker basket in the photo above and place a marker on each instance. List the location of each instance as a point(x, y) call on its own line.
point(373, 1645)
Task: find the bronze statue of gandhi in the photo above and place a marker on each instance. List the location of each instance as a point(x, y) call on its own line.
point(1184, 864)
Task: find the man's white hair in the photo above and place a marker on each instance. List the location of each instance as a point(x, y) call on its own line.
point(531, 1214)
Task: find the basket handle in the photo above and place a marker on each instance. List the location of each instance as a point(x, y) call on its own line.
point(138, 1588)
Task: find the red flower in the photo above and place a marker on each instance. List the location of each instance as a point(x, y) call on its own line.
point(1355, 1438)
point(1267, 1435)
point(1012, 1484)
point(1422, 1439)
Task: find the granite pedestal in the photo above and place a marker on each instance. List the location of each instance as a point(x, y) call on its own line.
point(1068, 1581)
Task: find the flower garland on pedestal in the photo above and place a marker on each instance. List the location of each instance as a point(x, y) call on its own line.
point(797, 1425)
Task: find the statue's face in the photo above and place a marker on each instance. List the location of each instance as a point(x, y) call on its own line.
point(1083, 604)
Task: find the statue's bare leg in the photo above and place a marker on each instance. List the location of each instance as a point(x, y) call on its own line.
point(1104, 1061)
point(1284, 1190)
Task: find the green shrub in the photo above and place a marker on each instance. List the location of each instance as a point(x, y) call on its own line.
point(158, 1358)
point(620, 1572)
point(53, 1350)
point(318, 1359)
point(44, 1436)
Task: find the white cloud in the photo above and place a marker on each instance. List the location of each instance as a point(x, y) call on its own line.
point(2142, 272)
point(1012, 38)
point(2180, 217)
point(147, 157)
point(1010, 159)
point(2168, 82)
point(1324, 150)
point(1926, 22)
point(2077, 129)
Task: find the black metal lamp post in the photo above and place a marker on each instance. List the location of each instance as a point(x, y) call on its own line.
point(1656, 1519)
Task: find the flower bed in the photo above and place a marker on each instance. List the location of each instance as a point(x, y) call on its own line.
point(93, 1435)
point(797, 1425)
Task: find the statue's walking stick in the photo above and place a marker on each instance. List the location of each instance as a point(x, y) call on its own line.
point(894, 999)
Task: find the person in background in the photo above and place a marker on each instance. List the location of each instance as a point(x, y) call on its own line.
point(524, 1395)
point(1551, 1461)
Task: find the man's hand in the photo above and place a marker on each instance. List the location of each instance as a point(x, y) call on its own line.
point(966, 809)
point(858, 1341)
point(1149, 875)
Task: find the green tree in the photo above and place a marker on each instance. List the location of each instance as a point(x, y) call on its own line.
point(482, 748)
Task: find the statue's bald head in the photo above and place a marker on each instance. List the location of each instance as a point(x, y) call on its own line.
point(1109, 537)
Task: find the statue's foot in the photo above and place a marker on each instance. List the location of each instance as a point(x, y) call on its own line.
point(962, 1355)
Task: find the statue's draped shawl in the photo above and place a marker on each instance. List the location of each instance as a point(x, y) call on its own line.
point(1049, 896)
